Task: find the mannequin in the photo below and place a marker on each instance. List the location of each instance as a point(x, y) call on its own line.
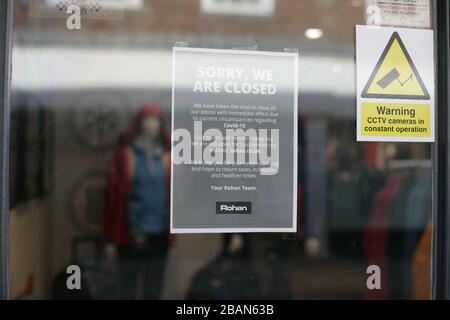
point(136, 216)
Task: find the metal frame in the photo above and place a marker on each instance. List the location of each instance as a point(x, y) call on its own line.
point(6, 25)
point(440, 277)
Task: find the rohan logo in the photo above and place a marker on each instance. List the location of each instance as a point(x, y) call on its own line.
point(233, 207)
point(236, 146)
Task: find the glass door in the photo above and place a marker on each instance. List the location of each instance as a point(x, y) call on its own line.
point(92, 82)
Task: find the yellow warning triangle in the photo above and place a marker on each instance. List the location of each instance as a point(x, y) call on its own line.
point(395, 75)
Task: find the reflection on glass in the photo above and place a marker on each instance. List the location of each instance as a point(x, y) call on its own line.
point(359, 203)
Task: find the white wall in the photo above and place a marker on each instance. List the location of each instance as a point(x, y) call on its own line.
point(29, 248)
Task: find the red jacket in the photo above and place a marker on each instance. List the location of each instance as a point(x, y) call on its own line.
point(376, 235)
point(115, 222)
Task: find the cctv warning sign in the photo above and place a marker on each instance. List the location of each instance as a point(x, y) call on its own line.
point(395, 71)
point(395, 75)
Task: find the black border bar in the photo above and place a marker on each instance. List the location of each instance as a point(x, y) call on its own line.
point(441, 185)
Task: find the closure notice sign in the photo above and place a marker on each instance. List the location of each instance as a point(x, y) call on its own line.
point(234, 141)
point(395, 84)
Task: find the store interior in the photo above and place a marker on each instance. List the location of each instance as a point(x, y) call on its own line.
point(76, 92)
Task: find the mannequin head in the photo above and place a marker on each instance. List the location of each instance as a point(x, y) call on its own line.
point(150, 127)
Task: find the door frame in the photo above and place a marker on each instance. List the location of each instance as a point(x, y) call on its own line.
point(6, 26)
point(440, 262)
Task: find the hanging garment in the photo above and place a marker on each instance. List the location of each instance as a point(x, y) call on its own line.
point(397, 235)
point(418, 212)
point(410, 215)
point(421, 267)
point(376, 234)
